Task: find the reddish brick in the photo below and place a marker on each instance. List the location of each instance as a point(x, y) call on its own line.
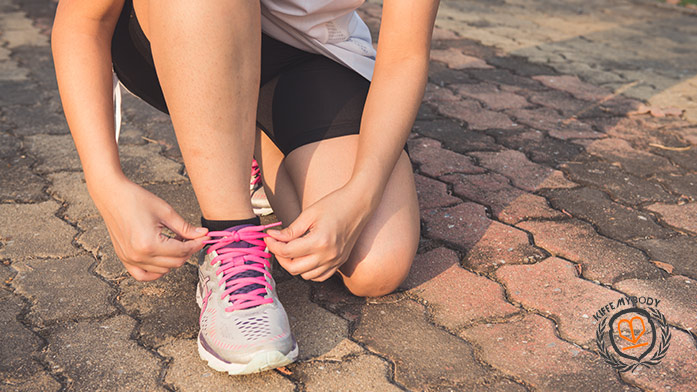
point(676, 372)
point(437, 161)
point(436, 94)
point(529, 350)
point(455, 59)
point(492, 97)
point(508, 204)
point(523, 173)
point(432, 193)
point(549, 120)
point(477, 118)
point(640, 163)
point(455, 296)
point(683, 217)
point(574, 86)
point(455, 137)
point(558, 100)
point(677, 295)
point(552, 286)
point(601, 258)
point(488, 243)
point(538, 146)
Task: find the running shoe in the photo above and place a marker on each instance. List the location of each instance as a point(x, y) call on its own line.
point(260, 203)
point(244, 328)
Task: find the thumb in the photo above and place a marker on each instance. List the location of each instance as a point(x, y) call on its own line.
point(296, 229)
point(182, 228)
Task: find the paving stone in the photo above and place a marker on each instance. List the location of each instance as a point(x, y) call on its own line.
point(680, 216)
point(70, 188)
point(360, 373)
point(574, 86)
point(95, 239)
point(488, 243)
point(623, 187)
point(566, 105)
point(611, 219)
point(441, 75)
point(455, 296)
point(679, 251)
point(684, 185)
point(436, 161)
point(18, 345)
point(524, 174)
point(54, 152)
point(99, 355)
point(455, 137)
point(677, 295)
point(504, 77)
point(432, 193)
point(144, 164)
point(539, 147)
point(435, 94)
point(32, 230)
point(455, 59)
point(601, 259)
point(620, 152)
point(10, 146)
point(181, 197)
point(677, 371)
point(62, 289)
point(41, 381)
point(166, 307)
point(305, 316)
point(18, 183)
point(529, 350)
point(519, 65)
point(476, 117)
point(17, 93)
point(35, 119)
point(440, 360)
point(508, 204)
point(491, 96)
point(187, 372)
point(547, 119)
point(552, 287)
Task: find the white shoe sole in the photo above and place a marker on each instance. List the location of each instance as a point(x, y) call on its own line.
point(262, 211)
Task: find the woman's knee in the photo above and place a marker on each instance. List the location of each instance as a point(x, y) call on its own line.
point(378, 275)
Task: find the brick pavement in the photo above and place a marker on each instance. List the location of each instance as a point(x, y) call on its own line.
point(547, 190)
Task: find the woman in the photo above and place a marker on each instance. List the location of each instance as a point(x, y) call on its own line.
point(288, 81)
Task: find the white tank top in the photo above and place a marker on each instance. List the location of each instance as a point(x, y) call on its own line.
point(328, 27)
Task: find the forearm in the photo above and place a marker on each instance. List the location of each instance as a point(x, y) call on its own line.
point(388, 115)
point(82, 56)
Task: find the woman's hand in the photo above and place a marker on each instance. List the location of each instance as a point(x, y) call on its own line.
point(321, 238)
point(135, 219)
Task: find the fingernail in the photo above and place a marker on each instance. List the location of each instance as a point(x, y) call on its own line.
point(201, 230)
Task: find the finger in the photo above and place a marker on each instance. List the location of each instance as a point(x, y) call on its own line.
point(317, 272)
point(299, 247)
point(331, 272)
point(141, 275)
point(297, 228)
point(171, 247)
point(301, 265)
point(163, 262)
point(179, 226)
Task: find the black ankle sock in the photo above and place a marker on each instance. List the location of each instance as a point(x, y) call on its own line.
point(220, 225)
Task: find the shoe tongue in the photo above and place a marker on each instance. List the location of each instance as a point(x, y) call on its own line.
point(244, 274)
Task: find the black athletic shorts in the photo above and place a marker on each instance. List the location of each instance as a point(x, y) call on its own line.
point(303, 97)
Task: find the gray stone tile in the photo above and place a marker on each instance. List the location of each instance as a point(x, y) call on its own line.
point(18, 345)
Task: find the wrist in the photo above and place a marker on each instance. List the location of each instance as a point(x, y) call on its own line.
point(367, 193)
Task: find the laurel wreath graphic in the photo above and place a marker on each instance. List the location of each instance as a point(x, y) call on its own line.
point(657, 355)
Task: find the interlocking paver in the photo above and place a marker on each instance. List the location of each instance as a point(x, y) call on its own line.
point(574, 86)
point(558, 126)
point(676, 372)
point(492, 96)
point(54, 152)
point(455, 137)
point(95, 239)
point(528, 349)
point(70, 188)
point(601, 259)
point(432, 193)
point(440, 360)
point(62, 289)
point(187, 372)
point(476, 117)
point(32, 230)
point(508, 204)
point(623, 187)
point(524, 174)
point(612, 219)
point(679, 252)
point(538, 146)
point(18, 183)
point(684, 185)
point(620, 152)
point(99, 355)
point(166, 308)
point(455, 296)
point(455, 59)
point(359, 373)
point(552, 287)
point(436, 161)
point(18, 345)
point(41, 381)
point(677, 295)
point(680, 216)
point(488, 243)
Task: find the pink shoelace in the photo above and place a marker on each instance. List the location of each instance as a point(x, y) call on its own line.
point(238, 266)
point(256, 173)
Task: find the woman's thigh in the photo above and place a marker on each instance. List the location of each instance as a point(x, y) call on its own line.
point(385, 249)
